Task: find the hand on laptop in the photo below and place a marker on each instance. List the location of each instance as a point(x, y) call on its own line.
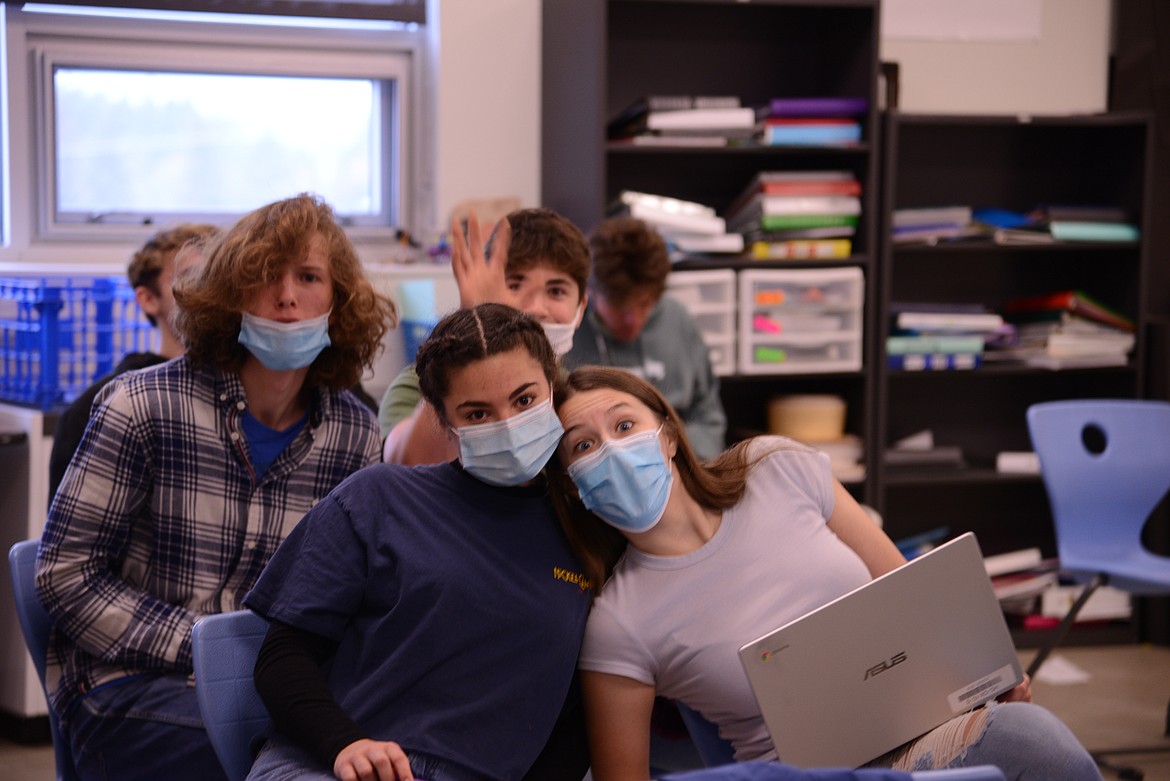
point(1022, 692)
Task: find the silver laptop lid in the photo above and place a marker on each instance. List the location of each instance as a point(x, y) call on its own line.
point(884, 663)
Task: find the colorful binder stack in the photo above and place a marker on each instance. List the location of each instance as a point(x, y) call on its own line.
point(932, 337)
point(826, 121)
point(798, 215)
point(1068, 329)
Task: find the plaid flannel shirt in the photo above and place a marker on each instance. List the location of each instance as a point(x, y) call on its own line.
point(161, 520)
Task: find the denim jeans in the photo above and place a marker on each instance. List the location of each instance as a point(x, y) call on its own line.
point(1028, 743)
point(279, 761)
point(143, 727)
point(1023, 740)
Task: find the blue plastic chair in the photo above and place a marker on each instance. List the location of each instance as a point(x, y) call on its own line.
point(1105, 466)
point(224, 648)
point(35, 623)
point(713, 747)
point(718, 755)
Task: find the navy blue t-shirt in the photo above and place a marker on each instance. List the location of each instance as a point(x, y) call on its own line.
point(265, 443)
point(458, 609)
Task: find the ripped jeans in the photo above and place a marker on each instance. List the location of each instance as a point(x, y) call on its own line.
point(1023, 740)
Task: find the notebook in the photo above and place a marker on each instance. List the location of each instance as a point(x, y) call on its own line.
point(886, 662)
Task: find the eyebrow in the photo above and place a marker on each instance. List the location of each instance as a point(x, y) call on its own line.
point(609, 410)
point(520, 391)
point(560, 279)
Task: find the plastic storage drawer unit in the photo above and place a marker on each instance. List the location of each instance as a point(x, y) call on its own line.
point(800, 321)
point(710, 298)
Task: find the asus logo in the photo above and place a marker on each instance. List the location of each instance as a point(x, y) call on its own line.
point(881, 667)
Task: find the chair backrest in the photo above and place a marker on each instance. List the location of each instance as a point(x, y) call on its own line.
point(35, 624)
point(713, 749)
point(224, 648)
point(1106, 466)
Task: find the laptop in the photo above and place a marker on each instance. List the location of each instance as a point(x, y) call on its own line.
point(886, 662)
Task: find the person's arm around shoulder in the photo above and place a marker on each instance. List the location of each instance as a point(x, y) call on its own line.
point(856, 529)
point(617, 720)
point(418, 439)
point(412, 430)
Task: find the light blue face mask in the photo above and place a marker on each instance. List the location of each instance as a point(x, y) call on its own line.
point(284, 346)
point(511, 451)
point(560, 335)
point(625, 482)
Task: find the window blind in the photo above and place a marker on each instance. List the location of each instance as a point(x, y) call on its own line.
point(381, 10)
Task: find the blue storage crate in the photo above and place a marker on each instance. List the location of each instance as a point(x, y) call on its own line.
point(57, 335)
point(414, 333)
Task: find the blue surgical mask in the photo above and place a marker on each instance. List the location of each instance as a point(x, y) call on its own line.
point(283, 346)
point(625, 482)
point(560, 335)
point(511, 451)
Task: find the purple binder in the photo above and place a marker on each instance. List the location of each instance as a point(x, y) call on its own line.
point(817, 107)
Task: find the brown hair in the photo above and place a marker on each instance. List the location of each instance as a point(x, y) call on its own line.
point(469, 335)
point(253, 253)
point(717, 484)
point(629, 257)
point(545, 237)
point(147, 264)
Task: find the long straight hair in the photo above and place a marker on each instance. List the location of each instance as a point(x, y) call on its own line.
point(715, 485)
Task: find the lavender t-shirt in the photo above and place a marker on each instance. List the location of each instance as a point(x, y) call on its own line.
point(677, 622)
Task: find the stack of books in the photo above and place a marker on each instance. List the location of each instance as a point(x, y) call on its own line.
point(789, 215)
point(821, 121)
point(1019, 577)
point(1087, 223)
point(934, 337)
point(1067, 329)
point(919, 451)
point(686, 225)
point(932, 224)
point(1010, 227)
point(683, 120)
point(1029, 591)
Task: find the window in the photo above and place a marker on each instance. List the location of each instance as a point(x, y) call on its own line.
point(125, 138)
point(147, 121)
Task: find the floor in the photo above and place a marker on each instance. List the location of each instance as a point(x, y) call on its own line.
point(1122, 704)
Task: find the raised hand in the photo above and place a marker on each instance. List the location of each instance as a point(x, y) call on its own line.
point(480, 279)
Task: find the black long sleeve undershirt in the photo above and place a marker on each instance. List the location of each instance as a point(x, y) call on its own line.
point(292, 685)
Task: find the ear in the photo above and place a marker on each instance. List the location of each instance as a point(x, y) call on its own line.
point(671, 443)
point(148, 301)
point(582, 306)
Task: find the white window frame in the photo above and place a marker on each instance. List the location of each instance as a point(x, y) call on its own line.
point(46, 41)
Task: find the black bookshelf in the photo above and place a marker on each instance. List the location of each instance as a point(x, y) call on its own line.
point(1015, 163)
point(599, 56)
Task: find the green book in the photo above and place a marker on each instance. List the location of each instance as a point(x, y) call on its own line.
point(776, 222)
point(1073, 230)
point(918, 345)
